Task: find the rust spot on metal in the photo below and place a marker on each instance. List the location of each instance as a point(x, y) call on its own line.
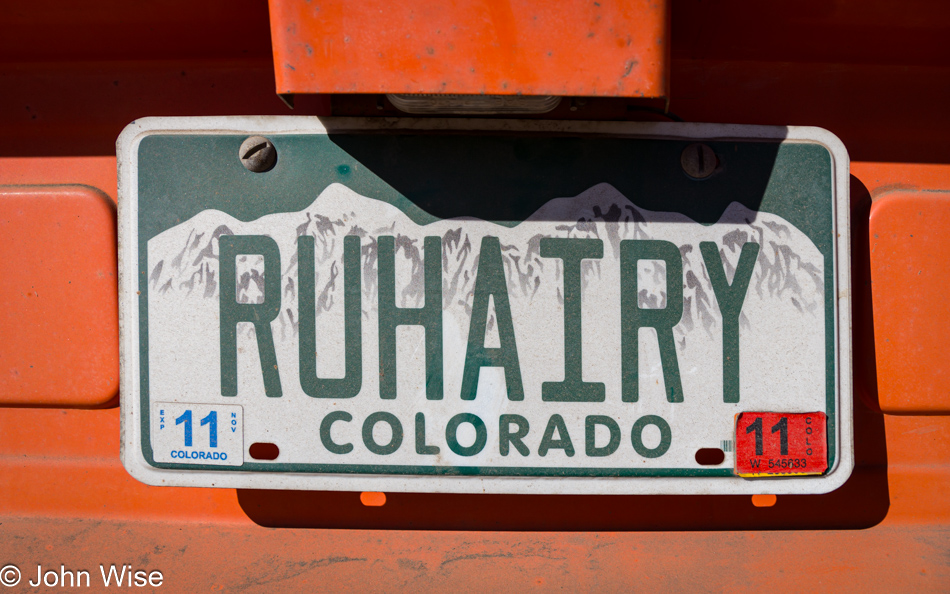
point(629, 68)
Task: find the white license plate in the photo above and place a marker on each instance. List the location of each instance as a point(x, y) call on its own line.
point(480, 306)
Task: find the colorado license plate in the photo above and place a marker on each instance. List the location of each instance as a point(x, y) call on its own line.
point(482, 306)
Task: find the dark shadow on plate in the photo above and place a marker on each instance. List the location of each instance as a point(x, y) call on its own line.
point(500, 176)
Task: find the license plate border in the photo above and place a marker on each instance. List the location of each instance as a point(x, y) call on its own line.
point(132, 430)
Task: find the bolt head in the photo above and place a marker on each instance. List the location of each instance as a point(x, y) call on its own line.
point(699, 161)
point(258, 154)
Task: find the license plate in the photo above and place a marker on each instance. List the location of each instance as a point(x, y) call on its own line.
point(480, 306)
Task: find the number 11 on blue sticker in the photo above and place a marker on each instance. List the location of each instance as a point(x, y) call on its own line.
point(202, 434)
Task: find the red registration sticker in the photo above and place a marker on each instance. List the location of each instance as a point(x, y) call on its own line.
point(769, 444)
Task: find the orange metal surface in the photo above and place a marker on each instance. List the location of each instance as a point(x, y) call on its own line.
point(59, 319)
point(373, 499)
point(196, 558)
point(878, 76)
point(517, 47)
point(96, 172)
point(910, 276)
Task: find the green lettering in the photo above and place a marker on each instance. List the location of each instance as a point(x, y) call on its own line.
point(633, 317)
point(421, 447)
point(730, 299)
point(590, 430)
point(429, 316)
point(563, 442)
point(370, 442)
point(506, 437)
point(490, 283)
point(451, 434)
point(352, 381)
point(260, 314)
point(636, 436)
point(573, 388)
point(327, 425)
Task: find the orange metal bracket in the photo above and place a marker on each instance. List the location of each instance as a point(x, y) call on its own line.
point(522, 47)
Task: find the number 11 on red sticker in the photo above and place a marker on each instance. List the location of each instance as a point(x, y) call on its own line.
point(786, 444)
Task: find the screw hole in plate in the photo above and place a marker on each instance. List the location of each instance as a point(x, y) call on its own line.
point(264, 451)
point(710, 457)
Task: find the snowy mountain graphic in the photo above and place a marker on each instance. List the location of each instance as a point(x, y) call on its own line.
point(789, 270)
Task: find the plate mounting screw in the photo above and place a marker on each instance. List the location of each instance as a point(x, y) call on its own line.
point(699, 161)
point(258, 154)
